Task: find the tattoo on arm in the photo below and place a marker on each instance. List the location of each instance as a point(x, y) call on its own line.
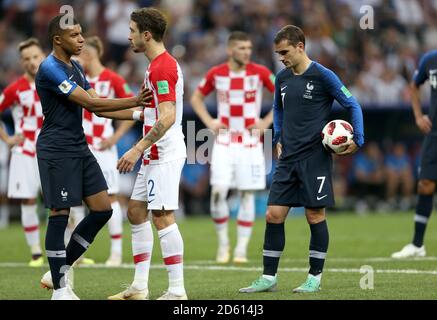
point(155, 133)
point(158, 130)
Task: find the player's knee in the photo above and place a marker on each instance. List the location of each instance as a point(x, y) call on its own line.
point(273, 216)
point(28, 202)
point(134, 215)
point(218, 195)
point(314, 216)
point(162, 218)
point(426, 187)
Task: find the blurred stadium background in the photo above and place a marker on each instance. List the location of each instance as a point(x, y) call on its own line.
point(376, 65)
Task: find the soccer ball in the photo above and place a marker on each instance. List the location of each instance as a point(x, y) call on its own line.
point(335, 134)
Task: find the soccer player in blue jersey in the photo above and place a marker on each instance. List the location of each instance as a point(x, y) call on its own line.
point(304, 94)
point(428, 167)
point(69, 172)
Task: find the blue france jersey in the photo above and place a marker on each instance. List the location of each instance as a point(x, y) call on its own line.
point(428, 71)
point(62, 134)
point(302, 106)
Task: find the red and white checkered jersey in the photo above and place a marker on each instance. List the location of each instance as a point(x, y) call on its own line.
point(108, 84)
point(164, 78)
point(26, 113)
point(239, 98)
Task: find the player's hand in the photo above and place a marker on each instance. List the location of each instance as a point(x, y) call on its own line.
point(424, 124)
point(145, 97)
point(107, 143)
point(215, 125)
point(258, 128)
point(279, 149)
point(127, 162)
point(15, 140)
point(350, 149)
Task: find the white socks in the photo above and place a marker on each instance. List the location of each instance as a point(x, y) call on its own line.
point(142, 245)
point(220, 214)
point(172, 247)
point(30, 222)
point(115, 227)
point(245, 219)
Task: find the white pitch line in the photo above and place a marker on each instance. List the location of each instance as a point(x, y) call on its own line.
point(374, 259)
point(234, 268)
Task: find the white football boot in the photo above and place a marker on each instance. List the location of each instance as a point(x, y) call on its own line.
point(131, 293)
point(410, 251)
point(171, 296)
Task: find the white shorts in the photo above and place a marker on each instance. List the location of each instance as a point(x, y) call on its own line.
point(107, 160)
point(236, 166)
point(158, 184)
point(4, 164)
point(24, 180)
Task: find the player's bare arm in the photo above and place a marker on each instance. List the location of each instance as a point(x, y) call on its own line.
point(199, 107)
point(124, 127)
point(129, 114)
point(10, 140)
point(262, 124)
point(422, 120)
point(83, 98)
point(167, 117)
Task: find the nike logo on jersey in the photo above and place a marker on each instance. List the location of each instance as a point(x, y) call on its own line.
point(320, 198)
point(70, 77)
point(148, 201)
point(283, 88)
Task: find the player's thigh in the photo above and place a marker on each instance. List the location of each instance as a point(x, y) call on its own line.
point(137, 211)
point(24, 180)
point(61, 182)
point(94, 182)
point(250, 169)
point(98, 201)
point(284, 190)
point(428, 164)
point(221, 165)
point(162, 182)
point(107, 160)
point(315, 172)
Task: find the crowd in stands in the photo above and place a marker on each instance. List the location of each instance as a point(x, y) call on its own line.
point(376, 64)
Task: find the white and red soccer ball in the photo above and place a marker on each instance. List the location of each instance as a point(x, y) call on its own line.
point(336, 134)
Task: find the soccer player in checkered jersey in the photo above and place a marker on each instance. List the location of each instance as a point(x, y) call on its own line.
point(427, 123)
point(28, 117)
point(69, 172)
point(304, 94)
point(101, 138)
point(237, 156)
point(163, 155)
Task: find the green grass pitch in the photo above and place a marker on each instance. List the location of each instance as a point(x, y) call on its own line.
point(354, 241)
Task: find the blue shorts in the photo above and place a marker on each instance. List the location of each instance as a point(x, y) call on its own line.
point(66, 182)
point(428, 163)
point(303, 183)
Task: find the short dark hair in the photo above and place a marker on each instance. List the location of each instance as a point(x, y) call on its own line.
point(152, 20)
point(292, 34)
point(238, 36)
point(55, 26)
point(28, 43)
point(96, 43)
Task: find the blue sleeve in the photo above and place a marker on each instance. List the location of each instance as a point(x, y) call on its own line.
point(57, 80)
point(421, 74)
point(278, 115)
point(86, 84)
point(340, 93)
